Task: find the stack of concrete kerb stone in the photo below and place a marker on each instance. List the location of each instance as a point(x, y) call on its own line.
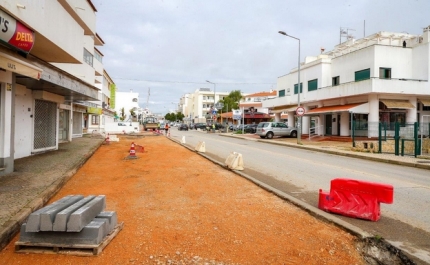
point(74, 220)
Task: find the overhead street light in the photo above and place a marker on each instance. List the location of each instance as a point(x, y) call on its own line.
point(214, 90)
point(299, 121)
point(214, 97)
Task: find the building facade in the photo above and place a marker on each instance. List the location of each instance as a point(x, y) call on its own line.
point(49, 69)
point(381, 78)
point(198, 106)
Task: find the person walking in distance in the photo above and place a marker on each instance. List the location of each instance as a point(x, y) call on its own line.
point(166, 128)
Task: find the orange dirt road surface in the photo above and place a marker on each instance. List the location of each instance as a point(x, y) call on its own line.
point(180, 208)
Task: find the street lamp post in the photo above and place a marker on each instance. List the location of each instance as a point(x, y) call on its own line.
point(299, 122)
point(214, 92)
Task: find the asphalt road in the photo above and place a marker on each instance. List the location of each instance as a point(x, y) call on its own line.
point(301, 173)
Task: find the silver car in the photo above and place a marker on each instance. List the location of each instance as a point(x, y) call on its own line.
point(270, 129)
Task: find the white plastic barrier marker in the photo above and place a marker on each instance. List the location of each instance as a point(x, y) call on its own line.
point(201, 147)
point(229, 159)
point(234, 161)
point(183, 140)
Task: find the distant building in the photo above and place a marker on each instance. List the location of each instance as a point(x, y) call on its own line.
point(196, 106)
point(129, 101)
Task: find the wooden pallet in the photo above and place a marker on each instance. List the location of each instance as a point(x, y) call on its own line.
point(66, 249)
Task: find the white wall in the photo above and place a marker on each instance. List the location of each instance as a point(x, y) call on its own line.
point(57, 25)
point(120, 127)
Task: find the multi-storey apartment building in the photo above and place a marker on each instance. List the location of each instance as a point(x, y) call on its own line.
point(49, 69)
point(381, 78)
point(197, 106)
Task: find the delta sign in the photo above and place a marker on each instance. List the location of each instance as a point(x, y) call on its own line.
point(15, 33)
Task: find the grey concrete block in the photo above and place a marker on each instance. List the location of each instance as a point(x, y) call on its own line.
point(85, 214)
point(111, 217)
point(61, 219)
point(47, 217)
point(33, 222)
point(91, 234)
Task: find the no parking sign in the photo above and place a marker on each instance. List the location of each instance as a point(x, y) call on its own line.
point(300, 111)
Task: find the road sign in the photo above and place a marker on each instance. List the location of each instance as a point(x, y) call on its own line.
point(300, 111)
point(219, 105)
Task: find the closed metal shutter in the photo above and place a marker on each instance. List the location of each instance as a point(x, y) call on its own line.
point(77, 124)
point(45, 125)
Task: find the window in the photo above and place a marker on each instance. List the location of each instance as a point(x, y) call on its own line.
point(384, 73)
point(281, 93)
point(313, 85)
point(88, 57)
point(95, 119)
point(388, 119)
point(335, 81)
point(362, 75)
point(98, 56)
point(296, 90)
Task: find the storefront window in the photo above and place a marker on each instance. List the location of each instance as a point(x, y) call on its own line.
point(360, 121)
point(390, 118)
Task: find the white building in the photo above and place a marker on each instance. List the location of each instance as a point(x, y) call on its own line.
point(49, 71)
point(196, 106)
point(129, 103)
point(383, 77)
point(102, 111)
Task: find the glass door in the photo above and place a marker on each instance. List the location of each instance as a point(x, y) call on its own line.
point(63, 130)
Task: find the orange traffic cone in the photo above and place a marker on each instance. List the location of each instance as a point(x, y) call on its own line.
point(132, 150)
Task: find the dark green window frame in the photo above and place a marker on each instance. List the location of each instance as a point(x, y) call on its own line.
point(362, 75)
point(335, 81)
point(313, 85)
point(281, 93)
point(296, 90)
point(384, 73)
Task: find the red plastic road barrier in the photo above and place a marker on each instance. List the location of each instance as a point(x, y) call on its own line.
point(132, 150)
point(140, 148)
point(354, 198)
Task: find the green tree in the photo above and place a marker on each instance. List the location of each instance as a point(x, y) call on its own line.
point(231, 101)
point(132, 113)
point(122, 117)
point(180, 116)
point(170, 117)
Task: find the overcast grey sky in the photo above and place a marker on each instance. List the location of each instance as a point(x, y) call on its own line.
point(174, 46)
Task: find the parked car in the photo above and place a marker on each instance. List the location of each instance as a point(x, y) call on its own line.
point(183, 127)
point(200, 125)
point(247, 128)
point(219, 126)
point(270, 129)
point(252, 128)
point(162, 125)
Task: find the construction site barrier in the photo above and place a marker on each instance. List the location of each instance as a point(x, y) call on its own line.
point(354, 198)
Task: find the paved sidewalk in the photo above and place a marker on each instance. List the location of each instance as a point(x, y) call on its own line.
point(36, 179)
